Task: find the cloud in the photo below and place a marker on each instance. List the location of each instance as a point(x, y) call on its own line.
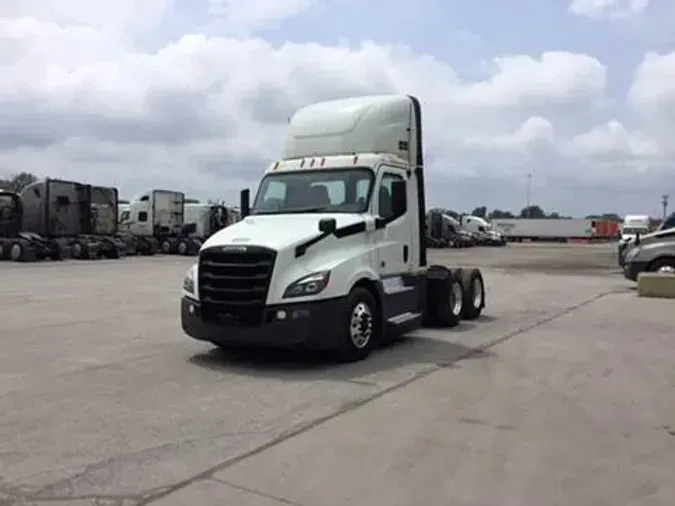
point(246, 16)
point(206, 114)
point(613, 9)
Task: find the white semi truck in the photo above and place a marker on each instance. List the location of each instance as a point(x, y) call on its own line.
point(483, 230)
point(156, 220)
point(332, 253)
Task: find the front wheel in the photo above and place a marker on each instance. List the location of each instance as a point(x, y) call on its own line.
point(663, 265)
point(361, 326)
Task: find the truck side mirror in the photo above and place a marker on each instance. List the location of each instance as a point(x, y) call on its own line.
point(399, 198)
point(327, 225)
point(245, 202)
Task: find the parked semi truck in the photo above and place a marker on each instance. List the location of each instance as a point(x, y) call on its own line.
point(485, 233)
point(332, 253)
point(15, 243)
point(208, 218)
point(444, 231)
point(156, 221)
point(82, 218)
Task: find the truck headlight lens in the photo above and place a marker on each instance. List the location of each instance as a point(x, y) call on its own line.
point(189, 281)
point(308, 285)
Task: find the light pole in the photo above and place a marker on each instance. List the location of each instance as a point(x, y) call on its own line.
point(664, 204)
point(529, 192)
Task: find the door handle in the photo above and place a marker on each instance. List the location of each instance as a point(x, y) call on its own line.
point(405, 254)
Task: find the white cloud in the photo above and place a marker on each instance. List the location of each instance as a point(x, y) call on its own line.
point(206, 113)
point(615, 9)
point(244, 16)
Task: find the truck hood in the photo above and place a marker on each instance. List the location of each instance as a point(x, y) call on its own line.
point(659, 234)
point(277, 231)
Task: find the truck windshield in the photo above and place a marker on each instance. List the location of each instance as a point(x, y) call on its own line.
point(315, 191)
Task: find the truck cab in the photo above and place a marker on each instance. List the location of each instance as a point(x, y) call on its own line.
point(483, 230)
point(331, 254)
point(633, 225)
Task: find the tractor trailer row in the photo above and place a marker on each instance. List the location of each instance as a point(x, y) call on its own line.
point(57, 219)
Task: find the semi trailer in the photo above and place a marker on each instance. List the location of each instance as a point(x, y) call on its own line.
point(82, 218)
point(331, 254)
point(15, 243)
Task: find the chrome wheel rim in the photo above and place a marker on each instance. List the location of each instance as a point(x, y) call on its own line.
point(666, 269)
point(477, 287)
point(361, 325)
point(166, 247)
point(182, 248)
point(77, 250)
point(456, 299)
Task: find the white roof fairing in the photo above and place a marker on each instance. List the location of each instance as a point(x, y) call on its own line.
point(372, 124)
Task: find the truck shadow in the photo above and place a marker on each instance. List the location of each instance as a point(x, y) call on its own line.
point(311, 366)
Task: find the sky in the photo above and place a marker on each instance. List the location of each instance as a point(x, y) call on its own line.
point(194, 95)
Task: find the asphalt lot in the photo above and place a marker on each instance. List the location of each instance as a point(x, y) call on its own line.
point(562, 394)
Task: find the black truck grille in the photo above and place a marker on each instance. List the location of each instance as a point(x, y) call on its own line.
point(233, 283)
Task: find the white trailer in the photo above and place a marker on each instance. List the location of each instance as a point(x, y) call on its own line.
point(559, 230)
point(332, 254)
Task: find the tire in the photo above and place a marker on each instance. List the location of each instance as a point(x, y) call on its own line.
point(78, 250)
point(474, 293)
point(666, 265)
point(17, 252)
point(362, 326)
point(444, 298)
point(183, 247)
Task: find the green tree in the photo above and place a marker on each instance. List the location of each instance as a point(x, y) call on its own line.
point(19, 181)
point(480, 212)
point(496, 214)
point(533, 212)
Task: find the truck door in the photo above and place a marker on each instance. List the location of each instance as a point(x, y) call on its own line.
point(394, 242)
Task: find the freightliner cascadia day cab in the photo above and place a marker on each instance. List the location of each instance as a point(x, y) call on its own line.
point(332, 253)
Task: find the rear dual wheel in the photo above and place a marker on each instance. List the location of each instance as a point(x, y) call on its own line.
point(453, 295)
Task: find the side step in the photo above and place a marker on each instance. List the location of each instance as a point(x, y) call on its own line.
point(405, 322)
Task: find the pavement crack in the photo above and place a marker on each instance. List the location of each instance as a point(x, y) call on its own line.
point(351, 406)
point(257, 492)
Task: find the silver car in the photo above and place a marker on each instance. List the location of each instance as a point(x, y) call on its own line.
point(654, 254)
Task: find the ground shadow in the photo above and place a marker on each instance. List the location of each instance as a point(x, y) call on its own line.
point(311, 366)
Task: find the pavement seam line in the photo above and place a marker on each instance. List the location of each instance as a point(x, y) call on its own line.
point(352, 406)
point(256, 492)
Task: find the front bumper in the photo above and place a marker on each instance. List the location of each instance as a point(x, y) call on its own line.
point(632, 269)
point(315, 325)
point(622, 251)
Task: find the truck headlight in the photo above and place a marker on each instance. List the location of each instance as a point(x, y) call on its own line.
point(308, 285)
point(190, 280)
